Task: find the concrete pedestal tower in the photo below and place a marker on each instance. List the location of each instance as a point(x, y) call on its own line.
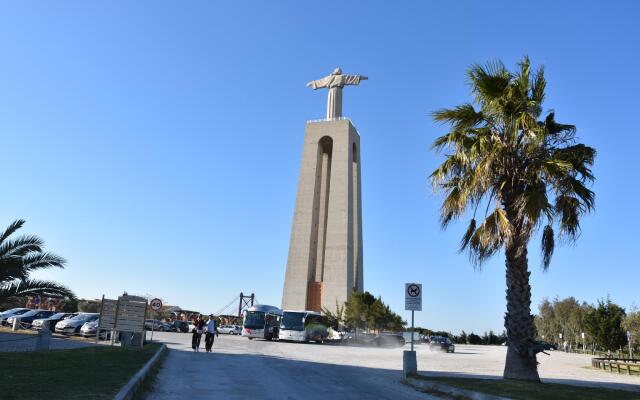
point(325, 251)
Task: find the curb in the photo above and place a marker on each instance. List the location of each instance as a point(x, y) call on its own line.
point(450, 390)
point(128, 390)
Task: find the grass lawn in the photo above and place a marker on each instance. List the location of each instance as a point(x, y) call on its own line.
point(7, 329)
point(92, 372)
point(533, 391)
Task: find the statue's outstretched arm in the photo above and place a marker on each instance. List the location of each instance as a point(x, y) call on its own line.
point(319, 83)
point(353, 79)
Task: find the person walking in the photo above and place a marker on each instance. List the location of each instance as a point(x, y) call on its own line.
point(212, 332)
point(197, 333)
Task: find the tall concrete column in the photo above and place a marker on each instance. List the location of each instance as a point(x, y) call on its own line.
point(325, 250)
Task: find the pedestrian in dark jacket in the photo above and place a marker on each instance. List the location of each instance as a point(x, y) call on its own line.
point(198, 327)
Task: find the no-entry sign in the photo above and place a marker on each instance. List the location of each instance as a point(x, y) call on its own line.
point(413, 296)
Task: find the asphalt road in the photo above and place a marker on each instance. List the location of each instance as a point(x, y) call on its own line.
point(243, 369)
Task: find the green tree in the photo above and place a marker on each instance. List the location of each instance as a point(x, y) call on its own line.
point(570, 316)
point(88, 306)
point(547, 326)
point(631, 324)
point(355, 311)
point(363, 311)
point(335, 320)
point(19, 257)
point(525, 172)
point(604, 324)
point(474, 339)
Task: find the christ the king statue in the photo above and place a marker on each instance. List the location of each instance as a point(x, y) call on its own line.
point(335, 82)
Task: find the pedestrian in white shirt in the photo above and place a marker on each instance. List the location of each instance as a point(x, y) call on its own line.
point(212, 331)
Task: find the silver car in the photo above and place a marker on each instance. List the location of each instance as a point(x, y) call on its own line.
point(73, 325)
point(230, 329)
point(4, 316)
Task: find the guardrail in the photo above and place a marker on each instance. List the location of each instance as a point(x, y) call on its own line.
point(619, 365)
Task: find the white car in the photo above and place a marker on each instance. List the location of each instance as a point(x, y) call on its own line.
point(230, 329)
point(4, 316)
point(73, 325)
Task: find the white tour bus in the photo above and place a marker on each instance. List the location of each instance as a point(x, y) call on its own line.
point(261, 321)
point(303, 326)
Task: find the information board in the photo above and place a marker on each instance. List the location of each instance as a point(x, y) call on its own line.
point(131, 314)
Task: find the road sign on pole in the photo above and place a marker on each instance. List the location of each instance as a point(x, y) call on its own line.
point(413, 296)
point(156, 304)
point(412, 301)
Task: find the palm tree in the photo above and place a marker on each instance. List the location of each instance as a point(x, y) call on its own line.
point(19, 257)
point(525, 173)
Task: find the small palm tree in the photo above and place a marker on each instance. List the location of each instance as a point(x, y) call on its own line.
point(524, 173)
point(19, 257)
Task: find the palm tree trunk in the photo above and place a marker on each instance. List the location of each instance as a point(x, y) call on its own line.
point(521, 361)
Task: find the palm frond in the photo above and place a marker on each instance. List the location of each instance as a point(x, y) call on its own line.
point(35, 287)
point(548, 245)
point(15, 225)
point(569, 210)
point(21, 246)
point(11, 269)
point(538, 86)
point(463, 116)
point(489, 237)
point(464, 243)
point(43, 260)
point(563, 131)
point(489, 81)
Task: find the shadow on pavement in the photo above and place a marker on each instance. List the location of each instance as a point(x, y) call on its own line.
point(242, 376)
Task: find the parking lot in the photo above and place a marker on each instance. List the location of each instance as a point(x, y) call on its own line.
point(239, 368)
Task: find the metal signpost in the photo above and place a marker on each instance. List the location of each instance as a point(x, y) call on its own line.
point(629, 340)
point(413, 302)
point(584, 344)
point(156, 305)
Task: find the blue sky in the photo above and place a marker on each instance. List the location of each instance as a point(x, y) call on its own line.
point(156, 145)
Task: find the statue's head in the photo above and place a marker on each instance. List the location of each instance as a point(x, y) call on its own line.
point(337, 71)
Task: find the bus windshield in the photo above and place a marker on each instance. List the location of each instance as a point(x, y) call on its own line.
point(254, 320)
point(292, 321)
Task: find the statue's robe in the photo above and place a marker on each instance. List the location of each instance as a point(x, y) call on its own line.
point(335, 83)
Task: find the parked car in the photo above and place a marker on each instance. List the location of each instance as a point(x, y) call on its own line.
point(389, 340)
point(53, 320)
point(10, 313)
point(230, 329)
point(90, 328)
point(442, 343)
point(73, 325)
point(156, 325)
point(180, 326)
point(547, 346)
point(27, 318)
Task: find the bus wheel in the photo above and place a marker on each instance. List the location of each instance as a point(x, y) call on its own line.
point(250, 338)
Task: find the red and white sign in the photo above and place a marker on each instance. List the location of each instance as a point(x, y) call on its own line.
point(156, 304)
